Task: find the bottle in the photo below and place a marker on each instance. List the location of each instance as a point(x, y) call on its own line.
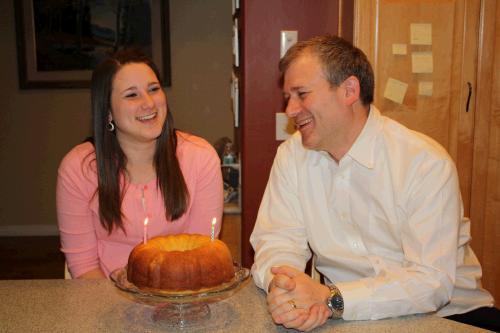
point(229, 156)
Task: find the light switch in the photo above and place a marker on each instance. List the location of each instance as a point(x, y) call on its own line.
point(284, 127)
point(288, 38)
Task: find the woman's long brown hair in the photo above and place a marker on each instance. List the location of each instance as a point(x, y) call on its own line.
point(111, 161)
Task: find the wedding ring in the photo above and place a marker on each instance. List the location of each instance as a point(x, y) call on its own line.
point(292, 304)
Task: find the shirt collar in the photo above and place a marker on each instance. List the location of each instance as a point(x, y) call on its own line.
point(363, 149)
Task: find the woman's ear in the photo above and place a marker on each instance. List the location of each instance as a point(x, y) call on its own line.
point(352, 90)
point(110, 117)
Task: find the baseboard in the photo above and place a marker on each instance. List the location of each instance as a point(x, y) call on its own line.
point(29, 230)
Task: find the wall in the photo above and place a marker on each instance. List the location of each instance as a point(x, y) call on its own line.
point(262, 97)
point(201, 37)
point(37, 127)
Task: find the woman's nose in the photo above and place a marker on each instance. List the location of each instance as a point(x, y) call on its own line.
point(148, 102)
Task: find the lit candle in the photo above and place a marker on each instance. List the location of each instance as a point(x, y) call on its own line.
point(212, 234)
point(145, 239)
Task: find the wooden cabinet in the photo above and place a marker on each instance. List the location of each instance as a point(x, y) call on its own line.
point(433, 72)
point(427, 57)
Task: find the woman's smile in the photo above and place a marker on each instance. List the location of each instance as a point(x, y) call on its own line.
point(147, 117)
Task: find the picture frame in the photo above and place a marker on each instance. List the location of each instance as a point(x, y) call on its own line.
point(60, 42)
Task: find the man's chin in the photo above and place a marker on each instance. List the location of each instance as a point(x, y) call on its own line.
point(308, 144)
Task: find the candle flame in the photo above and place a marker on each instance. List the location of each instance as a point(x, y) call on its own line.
point(212, 229)
point(145, 235)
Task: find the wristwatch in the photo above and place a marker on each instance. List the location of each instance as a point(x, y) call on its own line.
point(335, 302)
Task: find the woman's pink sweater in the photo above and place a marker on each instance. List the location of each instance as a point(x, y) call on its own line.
point(87, 245)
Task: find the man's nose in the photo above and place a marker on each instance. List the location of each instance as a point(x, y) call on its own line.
point(292, 108)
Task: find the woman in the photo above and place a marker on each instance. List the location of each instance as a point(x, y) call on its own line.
point(138, 166)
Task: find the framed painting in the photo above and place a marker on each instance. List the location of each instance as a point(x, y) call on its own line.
point(60, 42)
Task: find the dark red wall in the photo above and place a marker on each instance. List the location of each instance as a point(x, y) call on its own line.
point(261, 96)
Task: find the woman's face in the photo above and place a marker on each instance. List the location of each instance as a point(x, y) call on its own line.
point(138, 105)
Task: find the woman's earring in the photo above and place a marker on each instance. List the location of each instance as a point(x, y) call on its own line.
point(111, 126)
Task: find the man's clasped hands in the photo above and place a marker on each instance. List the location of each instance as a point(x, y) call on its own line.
point(297, 301)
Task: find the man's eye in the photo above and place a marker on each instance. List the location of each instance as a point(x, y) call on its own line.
point(302, 94)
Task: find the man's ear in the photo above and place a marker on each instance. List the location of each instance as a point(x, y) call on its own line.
point(352, 90)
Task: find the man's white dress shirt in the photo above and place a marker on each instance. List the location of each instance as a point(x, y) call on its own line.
point(386, 224)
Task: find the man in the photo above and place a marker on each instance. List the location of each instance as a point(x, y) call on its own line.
point(378, 204)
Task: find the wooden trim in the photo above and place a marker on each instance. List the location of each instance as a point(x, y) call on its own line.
point(346, 22)
point(29, 230)
point(485, 205)
point(482, 119)
point(461, 139)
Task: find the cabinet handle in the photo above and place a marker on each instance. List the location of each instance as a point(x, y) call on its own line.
point(468, 97)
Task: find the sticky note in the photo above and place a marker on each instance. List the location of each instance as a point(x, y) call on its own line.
point(395, 90)
point(284, 128)
point(425, 88)
point(421, 62)
point(399, 49)
point(421, 33)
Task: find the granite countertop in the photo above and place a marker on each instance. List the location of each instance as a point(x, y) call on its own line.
point(98, 306)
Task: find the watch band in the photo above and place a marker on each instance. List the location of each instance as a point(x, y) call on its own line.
point(335, 302)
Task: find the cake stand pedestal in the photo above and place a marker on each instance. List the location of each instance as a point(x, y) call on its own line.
point(183, 309)
point(182, 315)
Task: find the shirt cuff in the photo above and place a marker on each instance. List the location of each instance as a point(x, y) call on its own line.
point(355, 295)
point(267, 280)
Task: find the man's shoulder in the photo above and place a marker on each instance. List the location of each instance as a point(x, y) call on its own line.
point(293, 148)
point(398, 136)
point(293, 143)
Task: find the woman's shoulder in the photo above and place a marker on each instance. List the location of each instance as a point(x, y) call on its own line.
point(194, 152)
point(80, 151)
point(80, 155)
point(187, 143)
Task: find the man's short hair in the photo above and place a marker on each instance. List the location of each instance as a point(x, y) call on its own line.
point(339, 58)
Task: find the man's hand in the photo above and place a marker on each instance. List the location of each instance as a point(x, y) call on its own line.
point(297, 301)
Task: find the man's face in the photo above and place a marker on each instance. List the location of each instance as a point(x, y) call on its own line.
point(315, 106)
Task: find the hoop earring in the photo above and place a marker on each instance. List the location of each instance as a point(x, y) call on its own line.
point(110, 126)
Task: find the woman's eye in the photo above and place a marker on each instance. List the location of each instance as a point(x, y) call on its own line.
point(130, 95)
point(154, 88)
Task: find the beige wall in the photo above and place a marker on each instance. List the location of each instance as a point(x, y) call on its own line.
point(37, 127)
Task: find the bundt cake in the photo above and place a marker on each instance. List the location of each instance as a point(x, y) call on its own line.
point(180, 263)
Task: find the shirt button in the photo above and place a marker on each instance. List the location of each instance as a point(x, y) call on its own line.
point(355, 245)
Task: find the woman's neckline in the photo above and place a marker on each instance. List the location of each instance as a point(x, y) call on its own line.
point(142, 184)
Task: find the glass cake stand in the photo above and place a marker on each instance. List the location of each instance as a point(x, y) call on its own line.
point(180, 309)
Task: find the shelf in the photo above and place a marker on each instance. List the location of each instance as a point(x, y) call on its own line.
point(231, 165)
point(232, 208)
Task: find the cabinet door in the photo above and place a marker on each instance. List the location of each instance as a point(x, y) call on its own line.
point(424, 56)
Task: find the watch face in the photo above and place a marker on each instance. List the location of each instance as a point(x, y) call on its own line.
point(337, 303)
